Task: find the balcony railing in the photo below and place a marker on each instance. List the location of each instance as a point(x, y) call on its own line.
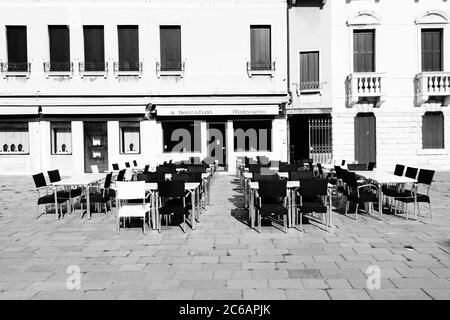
point(171, 69)
point(93, 69)
point(260, 68)
point(433, 84)
point(58, 69)
point(310, 86)
point(365, 85)
point(128, 68)
point(18, 69)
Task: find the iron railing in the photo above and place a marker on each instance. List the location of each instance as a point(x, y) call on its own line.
point(15, 67)
point(310, 85)
point(170, 67)
point(93, 66)
point(127, 66)
point(260, 66)
point(320, 139)
point(58, 66)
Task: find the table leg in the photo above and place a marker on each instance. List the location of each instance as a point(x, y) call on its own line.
point(199, 204)
point(88, 203)
point(380, 201)
point(289, 201)
point(56, 204)
point(415, 200)
point(251, 209)
point(245, 193)
point(193, 209)
point(152, 203)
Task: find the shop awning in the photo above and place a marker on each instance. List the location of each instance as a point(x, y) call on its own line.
point(106, 110)
point(18, 110)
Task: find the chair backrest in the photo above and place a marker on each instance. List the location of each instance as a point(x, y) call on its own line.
point(135, 163)
point(127, 165)
point(181, 176)
point(195, 176)
point(150, 177)
point(313, 187)
point(371, 166)
point(302, 174)
point(262, 160)
point(411, 172)
point(121, 175)
point(130, 190)
point(299, 163)
point(350, 179)
point(128, 174)
point(147, 166)
point(94, 168)
point(425, 176)
point(287, 167)
point(272, 189)
point(108, 179)
point(264, 177)
point(171, 189)
point(399, 169)
point(196, 168)
point(254, 168)
point(39, 180)
point(54, 176)
point(342, 163)
point(319, 167)
point(115, 166)
point(357, 166)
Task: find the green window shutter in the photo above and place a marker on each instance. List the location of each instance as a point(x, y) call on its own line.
point(431, 50)
point(170, 47)
point(94, 48)
point(128, 47)
point(260, 47)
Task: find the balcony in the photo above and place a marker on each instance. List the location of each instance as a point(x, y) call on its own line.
point(365, 87)
point(173, 69)
point(93, 69)
point(255, 68)
point(58, 69)
point(127, 69)
point(433, 85)
point(309, 87)
point(15, 69)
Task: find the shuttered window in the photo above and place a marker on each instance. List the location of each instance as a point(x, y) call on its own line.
point(61, 137)
point(16, 37)
point(260, 51)
point(170, 46)
point(128, 48)
point(130, 137)
point(59, 48)
point(309, 70)
point(364, 50)
point(94, 48)
point(431, 50)
point(433, 130)
point(14, 137)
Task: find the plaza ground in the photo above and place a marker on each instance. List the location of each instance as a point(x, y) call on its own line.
point(223, 258)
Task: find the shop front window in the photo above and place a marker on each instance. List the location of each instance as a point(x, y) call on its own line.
point(181, 136)
point(252, 136)
point(14, 137)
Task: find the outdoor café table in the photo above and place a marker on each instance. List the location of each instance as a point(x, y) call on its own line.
point(84, 180)
point(382, 177)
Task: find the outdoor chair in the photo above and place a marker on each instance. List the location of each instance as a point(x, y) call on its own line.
point(314, 200)
point(273, 176)
point(150, 177)
point(115, 167)
point(319, 172)
point(272, 202)
point(399, 170)
point(46, 197)
point(125, 209)
point(99, 195)
point(287, 167)
point(127, 165)
point(371, 166)
point(146, 168)
point(70, 193)
point(121, 175)
point(298, 175)
point(359, 194)
point(172, 204)
point(357, 167)
point(425, 178)
point(390, 190)
point(135, 163)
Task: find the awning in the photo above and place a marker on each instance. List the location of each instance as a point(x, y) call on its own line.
point(18, 110)
point(94, 109)
point(216, 110)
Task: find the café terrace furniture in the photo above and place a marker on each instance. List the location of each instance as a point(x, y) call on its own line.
point(315, 198)
point(84, 181)
point(272, 202)
point(54, 176)
point(45, 197)
point(115, 167)
point(171, 203)
point(389, 191)
point(357, 166)
point(127, 165)
point(100, 195)
point(359, 194)
point(380, 178)
point(126, 191)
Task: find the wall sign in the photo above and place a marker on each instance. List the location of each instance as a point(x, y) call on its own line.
point(216, 110)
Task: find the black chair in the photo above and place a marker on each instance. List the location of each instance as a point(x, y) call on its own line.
point(359, 194)
point(313, 200)
point(115, 167)
point(146, 168)
point(371, 166)
point(272, 202)
point(357, 167)
point(47, 197)
point(343, 163)
point(302, 174)
point(99, 195)
point(180, 176)
point(399, 170)
point(425, 178)
point(287, 167)
point(127, 165)
point(150, 177)
point(273, 176)
point(319, 170)
point(70, 192)
point(390, 191)
point(411, 172)
point(121, 175)
point(135, 163)
point(172, 203)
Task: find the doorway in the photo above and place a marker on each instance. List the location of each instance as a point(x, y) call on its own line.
point(95, 146)
point(217, 143)
point(365, 138)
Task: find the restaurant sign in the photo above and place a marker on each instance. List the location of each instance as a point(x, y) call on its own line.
point(216, 110)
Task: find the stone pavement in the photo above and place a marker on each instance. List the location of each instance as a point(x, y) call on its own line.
point(223, 258)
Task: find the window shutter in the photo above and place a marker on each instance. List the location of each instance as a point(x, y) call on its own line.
point(364, 51)
point(128, 48)
point(94, 48)
point(309, 70)
point(260, 47)
point(170, 47)
point(433, 130)
point(17, 44)
point(431, 50)
point(59, 48)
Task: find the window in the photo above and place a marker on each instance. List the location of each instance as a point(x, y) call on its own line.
point(309, 70)
point(94, 48)
point(181, 136)
point(16, 37)
point(364, 50)
point(252, 135)
point(432, 50)
point(14, 137)
point(260, 51)
point(61, 137)
point(130, 137)
point(59, 48)
point(170, 38)
point(128, 48)
point(433, 130)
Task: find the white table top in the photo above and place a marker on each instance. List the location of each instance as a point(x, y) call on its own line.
point(153, 186)
point(289, 184)
point(82, 179)
point(384, 177)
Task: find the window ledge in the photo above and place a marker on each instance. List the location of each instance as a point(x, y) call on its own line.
point(59, 74)
point(103, 74)
point(432, 152)
point(128, 74)
point(178, 73)
point(252, 73)
point(14, 153)
point(62, 154)
point(25, 74)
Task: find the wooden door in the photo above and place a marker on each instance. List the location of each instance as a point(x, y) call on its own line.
point(365, 138)
point(95, 146)
point(217, 143)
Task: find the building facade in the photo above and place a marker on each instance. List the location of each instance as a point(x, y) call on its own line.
point(108, 81)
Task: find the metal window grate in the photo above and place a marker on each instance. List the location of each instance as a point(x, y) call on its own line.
point(320, 135)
